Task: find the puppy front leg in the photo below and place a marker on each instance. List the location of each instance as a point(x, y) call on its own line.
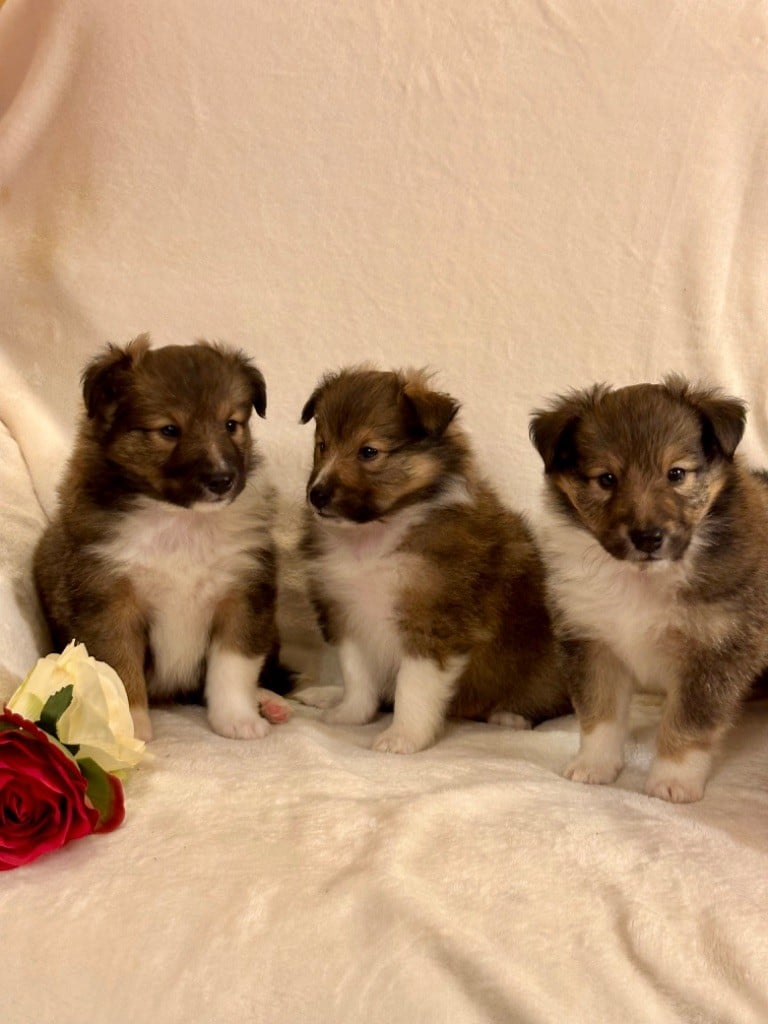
point(323, 689)
point(130, 669)
point(601, 694)
point(360, 700)
point(695, 716)
point(231, 693)
point(422, 694)
point(117, 636)
point(242, 635)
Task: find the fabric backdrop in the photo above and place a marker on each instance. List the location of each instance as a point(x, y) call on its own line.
point(524, 195)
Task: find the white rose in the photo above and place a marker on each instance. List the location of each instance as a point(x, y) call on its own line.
point(98, 719)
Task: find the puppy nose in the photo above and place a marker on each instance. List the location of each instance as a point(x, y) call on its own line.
point(219, 483)
point(319, 496)
point(647, 541)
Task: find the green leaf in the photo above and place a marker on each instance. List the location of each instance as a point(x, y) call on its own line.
point(54, 708)
point(105, 792)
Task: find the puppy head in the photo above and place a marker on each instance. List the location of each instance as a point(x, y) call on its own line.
point(383, 441)
point(173, 423)
point(640, 467)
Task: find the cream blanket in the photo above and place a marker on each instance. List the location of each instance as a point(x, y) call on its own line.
point(527, 196)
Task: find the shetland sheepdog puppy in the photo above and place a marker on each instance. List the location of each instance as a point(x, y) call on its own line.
point(431, 590)
point(658, 552)
point(160, 557)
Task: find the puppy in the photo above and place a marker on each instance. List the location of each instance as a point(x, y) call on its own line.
point(160, 557)
point(431, 590)
point(658, 551)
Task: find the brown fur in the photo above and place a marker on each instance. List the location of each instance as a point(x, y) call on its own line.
point(649, 471)
point(166, 429)
point(471, 581)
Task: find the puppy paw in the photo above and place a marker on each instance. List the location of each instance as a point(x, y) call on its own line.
point(509, 719)
point(394, 741)
point(678, 782)
point(594, 773)
point(243, 725)
point(674, 791)
point(273, 707)
point(347, 714)
point(319, 696)
point(142, 727)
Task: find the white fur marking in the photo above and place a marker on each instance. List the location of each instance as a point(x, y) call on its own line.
point(601, 755)
point(422, 693)
point(363, 572)
point(319, 696)
point(360, 701)
point(628, 607)
point(231, 694)
point(361, 569)
point(181, 562)
point(680, 782)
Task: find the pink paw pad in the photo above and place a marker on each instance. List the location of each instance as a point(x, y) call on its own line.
point(275, 711)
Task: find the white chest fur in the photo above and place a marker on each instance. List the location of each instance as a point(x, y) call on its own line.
point(362, 572)
point(637, 612)
point(181, 563)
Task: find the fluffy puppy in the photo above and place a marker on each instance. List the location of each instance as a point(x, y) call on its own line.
point(658, 551)
point(160, 557)
point(431, 590)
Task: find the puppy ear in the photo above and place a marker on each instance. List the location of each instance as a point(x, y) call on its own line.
point(553, 430)
point(308, 412)
point(431, 410)
point(723, 421)
point(106, 377)
point(723, 418)
point(258, 389)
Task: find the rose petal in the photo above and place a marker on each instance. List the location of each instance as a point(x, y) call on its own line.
point(42, 794)
point(98, 719)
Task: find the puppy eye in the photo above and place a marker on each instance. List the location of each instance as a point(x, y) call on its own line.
point(232, 426)
point(321, 446)
point(367, 454)
point(607, 481)
point(170, 430)
point(677, 474)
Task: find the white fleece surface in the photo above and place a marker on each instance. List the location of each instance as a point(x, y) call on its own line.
point(306, 878)
point(527, 195)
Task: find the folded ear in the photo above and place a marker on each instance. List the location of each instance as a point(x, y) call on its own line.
point(308, 412)
point(724, 423)
point(432, 411)
point(106, 377)
point(723, 418)
point(258, 388)
point(553, 430)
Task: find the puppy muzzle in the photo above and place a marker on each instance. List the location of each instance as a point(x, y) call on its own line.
point(218, 484)
point(332, 503)
point(647, 541)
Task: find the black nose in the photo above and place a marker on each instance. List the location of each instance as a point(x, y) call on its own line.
point(219, 483)
point(647, 541)
point(319, 496)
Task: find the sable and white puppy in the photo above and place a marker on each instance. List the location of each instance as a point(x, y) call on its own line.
point(431, 590)
point(160, 557)
point(658, 555)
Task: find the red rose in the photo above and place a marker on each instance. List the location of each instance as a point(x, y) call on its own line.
point(42, 794)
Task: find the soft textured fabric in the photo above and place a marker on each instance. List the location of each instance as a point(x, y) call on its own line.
point(525, 195)
point(307, 878)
